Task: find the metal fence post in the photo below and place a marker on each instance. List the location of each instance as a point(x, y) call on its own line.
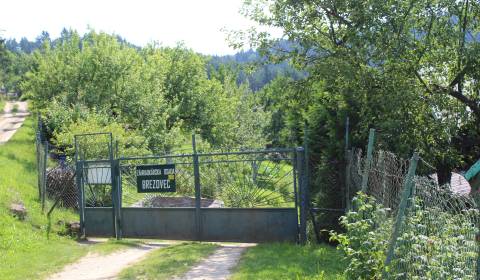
point(307, 168)
point(348, 171)
point(366, 171)
point(81, 199)
point(295, 191)
point(303, 200)
point(346, 190)
point(116, 192)
point(44, 176)
point(406, 195)
point(198, 196)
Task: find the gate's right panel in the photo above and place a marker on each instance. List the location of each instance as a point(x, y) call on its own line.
point(249, 224)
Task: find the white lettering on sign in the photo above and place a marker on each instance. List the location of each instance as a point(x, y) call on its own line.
point(155, 184)
point(149, 172)
point(168, 171)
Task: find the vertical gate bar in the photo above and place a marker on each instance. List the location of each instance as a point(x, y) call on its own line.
point(407, 193)
point(301, 183)
point(81, 207)
point(295, 193)
point(366, 171)
point(113, 189)
point(198, 196)
point(117, 204)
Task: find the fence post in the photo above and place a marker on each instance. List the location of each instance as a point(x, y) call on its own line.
point(37, 153)
point(81, 198)
point(198, 196)
point(44, 175)
point(116, 193)
point(406, 195)
point(346, 201)
point(366, 171)
point(295, 191)
point(348, 179)
point(307, 168)
point(303, 200)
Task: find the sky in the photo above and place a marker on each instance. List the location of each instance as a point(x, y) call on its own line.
point(196, 23)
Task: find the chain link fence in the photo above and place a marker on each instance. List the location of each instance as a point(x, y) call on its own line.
point(434, 229)
point(56, 176)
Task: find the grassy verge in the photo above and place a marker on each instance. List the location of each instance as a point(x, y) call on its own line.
point(2, 104)
point(167, 262)
point(113, 245)
point(25, 251)
point(289, 261)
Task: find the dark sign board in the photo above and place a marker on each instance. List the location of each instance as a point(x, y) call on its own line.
point(156, 178)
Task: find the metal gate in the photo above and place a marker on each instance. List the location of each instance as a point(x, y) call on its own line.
point(239, 196)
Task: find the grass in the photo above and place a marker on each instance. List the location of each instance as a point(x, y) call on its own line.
point(15, 109)
point(2, 104)
point(25, 251)
point(168, 262)
point(290, 261)
point(113, 245)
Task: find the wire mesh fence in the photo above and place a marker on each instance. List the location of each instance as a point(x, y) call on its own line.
point(438, 236)
point(56, 177)
point(385, 176)
point(434, 230)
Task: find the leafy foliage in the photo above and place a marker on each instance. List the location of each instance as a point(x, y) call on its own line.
point(366, 238)
point(161, 93)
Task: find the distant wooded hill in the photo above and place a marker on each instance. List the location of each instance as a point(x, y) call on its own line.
point(251, 68)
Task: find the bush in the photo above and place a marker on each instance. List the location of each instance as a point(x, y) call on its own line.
point(436, 243)
point(130, 142)
point(367, 232)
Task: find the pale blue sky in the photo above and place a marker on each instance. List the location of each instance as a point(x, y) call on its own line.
point(197, 23)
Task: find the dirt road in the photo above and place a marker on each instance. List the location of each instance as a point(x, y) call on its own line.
point(102, 267)
point(217, 266)
point(12, 118)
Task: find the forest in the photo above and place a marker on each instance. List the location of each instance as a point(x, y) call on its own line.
point(408, 69)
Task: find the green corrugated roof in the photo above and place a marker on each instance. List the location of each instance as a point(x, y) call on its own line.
point(473, 171)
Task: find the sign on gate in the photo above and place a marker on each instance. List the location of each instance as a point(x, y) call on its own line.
point(156, 178)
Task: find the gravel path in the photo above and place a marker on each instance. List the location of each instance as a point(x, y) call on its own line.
point(96, 267)
point(9, 121)
point(217, 266)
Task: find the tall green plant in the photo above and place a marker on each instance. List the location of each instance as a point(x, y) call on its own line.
point(367, 232)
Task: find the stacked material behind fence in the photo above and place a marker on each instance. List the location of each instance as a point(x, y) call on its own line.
point(56, 178)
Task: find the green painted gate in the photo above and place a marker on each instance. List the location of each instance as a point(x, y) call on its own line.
point(238, 196)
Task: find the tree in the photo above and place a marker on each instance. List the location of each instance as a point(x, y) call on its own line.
point(406, 67)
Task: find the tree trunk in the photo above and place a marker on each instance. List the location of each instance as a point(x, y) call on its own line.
point(444, 174)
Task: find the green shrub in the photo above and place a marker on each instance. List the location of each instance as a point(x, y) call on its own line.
point(367, 232)
point(130, 142)
point(436, 244)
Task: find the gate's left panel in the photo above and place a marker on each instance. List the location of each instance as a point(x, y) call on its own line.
point(94, 156)
point(98, 196)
